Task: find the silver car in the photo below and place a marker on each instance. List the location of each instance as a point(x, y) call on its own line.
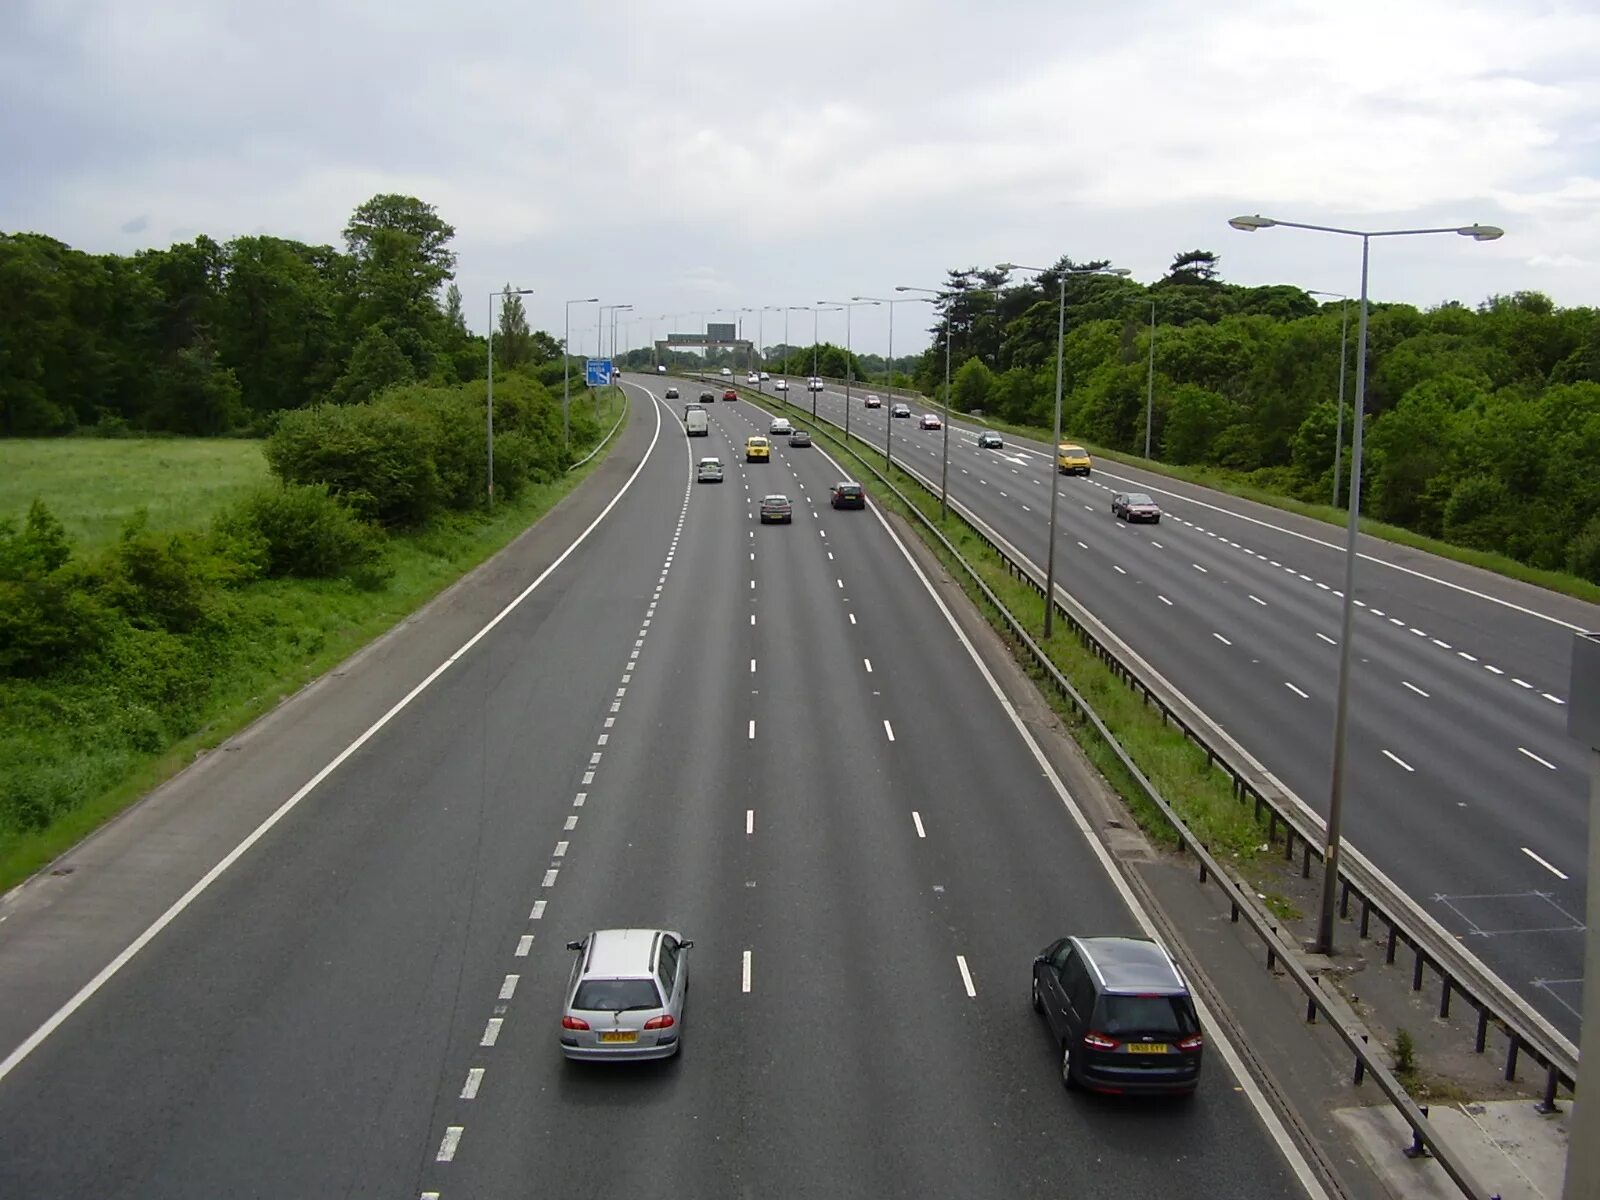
point(625, 997)
point(709, 471)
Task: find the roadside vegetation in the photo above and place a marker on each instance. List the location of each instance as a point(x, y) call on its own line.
point(285, 455)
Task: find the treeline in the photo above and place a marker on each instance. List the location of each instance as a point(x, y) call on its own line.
point(208, 338)
point(1483, 424)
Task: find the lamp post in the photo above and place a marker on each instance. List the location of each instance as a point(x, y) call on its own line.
point(1061, 335)
point(1338, 428)
point(1331, 851)
point(1150, 385)
point(849, 354)
point(613, 309)
point(566, 369)
point(761, 337)
point(888, 423)
point(815, 343)
point(508, 290)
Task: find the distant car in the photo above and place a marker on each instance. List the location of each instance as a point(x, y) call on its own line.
point(776, 508)
point(873, 400)
point(661, 368)
point(990, 440)
point(708, 397)
point(625, 997)
point(900, 410)
point(780, 427)
point(765, 377)
point(1135, 506)
point(752, 378)
point(757, 449)
point(727, 370)
point(730, 394)
point(709, 471)
point(800, 437)
point(672, 393)
point(1073, 460)
point(846, 494)
point(931, 421)
point(781, 386)
point(1121, 1013)
point(814, 384)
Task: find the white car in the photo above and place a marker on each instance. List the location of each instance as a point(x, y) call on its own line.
point(727, 371)
point(709, 471)
point(661, 368)
point(931, 421)
point(765, 377)
point(780, 427)
point(781, 386)
point(752, 378)
point(814, 384)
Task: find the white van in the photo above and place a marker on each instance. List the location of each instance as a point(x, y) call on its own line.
point(694, 419)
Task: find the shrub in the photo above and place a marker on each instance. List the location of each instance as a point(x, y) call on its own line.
point(47, 615)
point(303, 530)
point(157, 581)
point(377, 458)
point(1583, 556)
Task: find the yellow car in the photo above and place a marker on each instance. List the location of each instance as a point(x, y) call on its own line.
point(1072, 460)
point(757, 449)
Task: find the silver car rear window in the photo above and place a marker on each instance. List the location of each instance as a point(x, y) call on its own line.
point(613, 995)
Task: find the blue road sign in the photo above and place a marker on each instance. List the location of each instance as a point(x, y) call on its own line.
point(597, 372)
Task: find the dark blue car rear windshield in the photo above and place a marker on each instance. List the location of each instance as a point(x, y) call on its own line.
point(1160, 1015)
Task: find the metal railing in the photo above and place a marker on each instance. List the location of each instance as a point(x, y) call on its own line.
point(1289, 819)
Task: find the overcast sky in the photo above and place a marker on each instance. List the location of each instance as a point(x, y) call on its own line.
point(686, 157)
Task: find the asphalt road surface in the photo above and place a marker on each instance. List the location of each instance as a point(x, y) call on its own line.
point(767, 737)
point(1462, 784)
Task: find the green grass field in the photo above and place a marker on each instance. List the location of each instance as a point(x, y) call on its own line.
point(76, 743)
point(93, 485)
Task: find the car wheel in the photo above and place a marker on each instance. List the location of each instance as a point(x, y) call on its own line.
point(1038, 1004)
point(1068, 1079)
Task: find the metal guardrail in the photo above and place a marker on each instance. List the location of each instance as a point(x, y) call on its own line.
point(1459, 972)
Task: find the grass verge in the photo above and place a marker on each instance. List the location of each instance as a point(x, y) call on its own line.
point(79, 739)
point(1225, 481)
point(1199, 793)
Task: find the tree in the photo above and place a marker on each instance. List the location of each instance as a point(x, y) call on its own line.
point(1194, 267)
point(513, 344)
point(376, 363)
point(399, 248)
point(970, 386)
point(455, 319)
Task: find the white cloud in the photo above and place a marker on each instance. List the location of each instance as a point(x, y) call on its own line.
point(756, 154)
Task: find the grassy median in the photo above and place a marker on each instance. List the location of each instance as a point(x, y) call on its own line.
point(1201, 794)
point(75, 745)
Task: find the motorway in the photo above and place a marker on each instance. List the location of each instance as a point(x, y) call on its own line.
point(1463, 785)
point(768, 737)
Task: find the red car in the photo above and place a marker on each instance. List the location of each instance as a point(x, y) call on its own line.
point(730, 394)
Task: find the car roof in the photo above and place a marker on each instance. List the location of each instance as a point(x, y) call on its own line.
point(620, 953)
point(711, 459)
point(844, 483)
point(1131, 964)
point(774, 496)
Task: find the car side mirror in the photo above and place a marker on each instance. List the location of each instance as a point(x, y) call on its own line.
point(686, 944)
point(577, 945)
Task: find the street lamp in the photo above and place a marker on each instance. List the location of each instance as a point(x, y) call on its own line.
point(761, 337)
point(613, 309)
point(1338, 428)
point(849, 354)
point(566, 369)
point(1061, 335)
point(508, 290)
point(1330, 855)
point(1150, 384)
point(815, 343)
point(888, 424)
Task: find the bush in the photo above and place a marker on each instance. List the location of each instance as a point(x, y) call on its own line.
point(47, 615)
point(378, 458)
point(1583, 556)
point(303, 530)
point(157, 581)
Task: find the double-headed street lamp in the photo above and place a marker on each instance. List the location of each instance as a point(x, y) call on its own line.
point(566, 369)
point(1330, 855)
point(849, 355)
point(1061, 336)
point(489, 435)
point(888, 424)
point(1338, 428)
point(613, 309)
point(761, 337)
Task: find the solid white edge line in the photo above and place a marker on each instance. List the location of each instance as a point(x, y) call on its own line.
point(1247, 1082)
point(106, 973)
point(1559, 874)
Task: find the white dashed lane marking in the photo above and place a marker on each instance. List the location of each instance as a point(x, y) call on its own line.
point(1559, 874)
point(447, 1147)
point(966, 975)
point(916, 819)
point(1297, 691)
point(1543, 762)
point(469, 1090)
point(1394, 758)
point(745, 971)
